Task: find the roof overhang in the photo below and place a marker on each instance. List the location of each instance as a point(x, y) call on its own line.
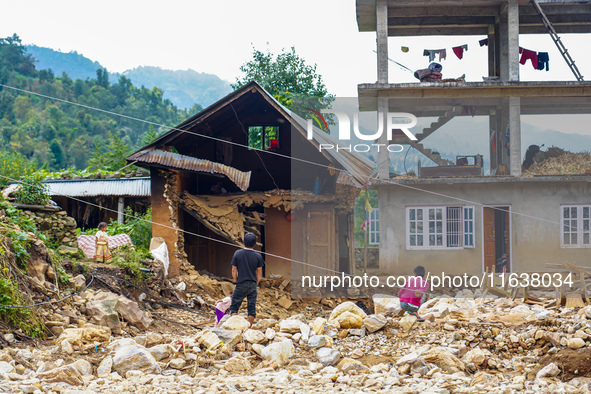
point(471, 17)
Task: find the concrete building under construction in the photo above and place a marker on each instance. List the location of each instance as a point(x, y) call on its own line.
point(456, 219)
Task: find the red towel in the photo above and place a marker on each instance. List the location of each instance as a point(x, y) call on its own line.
point(459, 51)
point(531, 55)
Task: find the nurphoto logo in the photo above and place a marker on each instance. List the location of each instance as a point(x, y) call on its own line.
point(402, 121)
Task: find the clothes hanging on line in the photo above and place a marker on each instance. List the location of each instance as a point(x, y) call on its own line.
point(531, 55)
point(459, 51)
point(483, 42)
point(404, 49)
point(543, 61)
point(432, 52)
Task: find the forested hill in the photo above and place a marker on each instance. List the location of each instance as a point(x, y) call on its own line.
point(59, 135)
point(184, 88)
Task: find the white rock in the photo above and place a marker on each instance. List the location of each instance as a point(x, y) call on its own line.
point(475, 356)
point(116, 344)
point(237, 323)
point(305, 330)
point(328, 356)
point(575, 343)
point(318, 325)
point(280, 352)
point(270, 334)
point(83, 366)
point(549, 370)
point(104, 368)
point(6, 367)
point(374, 323)
point(66, 347)
point(317, 341)
point(254, 336)
point(177, 363)
point(134, 357)
point(161, 351)
point(258, 348)
point(290, 326)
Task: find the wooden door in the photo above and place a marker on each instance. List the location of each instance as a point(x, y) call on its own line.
point(319, 241)
point(488, 219)
point(507, 238)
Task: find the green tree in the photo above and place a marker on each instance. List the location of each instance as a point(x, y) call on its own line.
point(102, 77)
point(13, 165)
point(149, 136)
point(286, 77)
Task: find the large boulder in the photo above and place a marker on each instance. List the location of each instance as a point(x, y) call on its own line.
point(237, 323)
point(328, 356)
point(348, 320)
point(83, 366)
point(254, 336)
point(444, 360)
point(353, 315)
point(131, 312)
point(290, 326)
point(138, 358)
point(161, 351)
point(280, 352)
point(228, 337)
point(89, 333)
point(103, 310)
point(237, 364)
point(105, 367)
point(66, 374)
point(374, 323)
point(208, 339)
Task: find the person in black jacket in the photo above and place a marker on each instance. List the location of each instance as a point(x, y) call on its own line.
point(247, 271)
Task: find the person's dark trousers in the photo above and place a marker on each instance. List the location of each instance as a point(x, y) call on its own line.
point(248, 290)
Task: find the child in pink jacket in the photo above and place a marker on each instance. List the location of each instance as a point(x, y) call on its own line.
point(414, 292)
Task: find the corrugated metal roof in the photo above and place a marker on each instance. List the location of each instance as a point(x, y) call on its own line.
point(126, 187)
point(176, 160)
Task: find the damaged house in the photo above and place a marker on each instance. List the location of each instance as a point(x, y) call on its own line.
point(244, 164)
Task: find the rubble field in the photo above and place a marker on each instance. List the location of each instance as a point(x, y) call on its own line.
point(106, 342)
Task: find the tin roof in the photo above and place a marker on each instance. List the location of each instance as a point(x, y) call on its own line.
point(127, 187)
point(176, 160)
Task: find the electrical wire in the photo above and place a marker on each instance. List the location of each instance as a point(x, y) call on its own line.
point(177, 129)
point(268, 152)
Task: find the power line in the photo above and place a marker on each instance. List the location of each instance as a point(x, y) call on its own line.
point(177, 129)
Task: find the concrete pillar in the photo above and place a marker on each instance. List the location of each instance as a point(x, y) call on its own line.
point(383, 154)
point(492, 63)
point(492, 125)
point(382, 40)
point(120, 209)
point(509, 41)
point(515, 135)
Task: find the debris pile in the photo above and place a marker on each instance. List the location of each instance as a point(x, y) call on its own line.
point(466, 345)
point(556, 161)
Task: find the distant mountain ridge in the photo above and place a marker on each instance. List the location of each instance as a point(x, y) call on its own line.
point(184, 88)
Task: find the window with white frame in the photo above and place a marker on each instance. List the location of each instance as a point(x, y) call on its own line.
point(374, 227)
point(575, 229)
point(440, 227)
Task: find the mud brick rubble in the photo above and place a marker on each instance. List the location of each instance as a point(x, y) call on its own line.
point(106, 344)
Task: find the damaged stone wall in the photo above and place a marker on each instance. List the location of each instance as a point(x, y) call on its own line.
point(171, 195)
point(58, 226)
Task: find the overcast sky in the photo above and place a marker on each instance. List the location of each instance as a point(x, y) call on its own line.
point(217, 37)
